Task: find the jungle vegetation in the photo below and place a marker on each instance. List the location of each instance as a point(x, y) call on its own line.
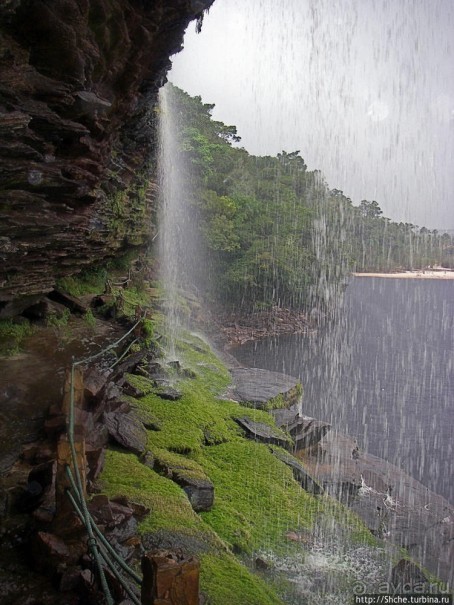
point(273, 231)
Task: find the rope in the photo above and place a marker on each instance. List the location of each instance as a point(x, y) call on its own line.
point(79, 503)
point(99, 534)
point(124, 354)
point(107, 549)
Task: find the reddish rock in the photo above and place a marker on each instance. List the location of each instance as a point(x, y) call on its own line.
point(49, 552)
point(94, 381)
point(95, 461)
point(97, 437)
point(79, 83)
point(259, 431)
point(169, 579)
point(140, 511)
point(55, 425)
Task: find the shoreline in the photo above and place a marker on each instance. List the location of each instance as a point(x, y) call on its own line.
point(421, 274)
point(233, 330)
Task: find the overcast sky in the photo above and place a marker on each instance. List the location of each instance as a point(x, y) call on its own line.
point(363, 88)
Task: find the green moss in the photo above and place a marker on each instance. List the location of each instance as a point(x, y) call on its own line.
point(226, 581)
point(124, 475)
point(147, 330)
point(12, 335)
point(128, 299)
point(60, 321)
point(281, 401)
point(196, 354)
point(254, 490)
point(175, 462)
point(257, 501)
point(92, 281)
point(90, 318)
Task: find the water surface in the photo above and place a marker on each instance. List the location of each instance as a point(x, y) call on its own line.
point(382, 371)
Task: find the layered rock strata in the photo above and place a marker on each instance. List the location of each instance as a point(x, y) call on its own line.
point(77, 131)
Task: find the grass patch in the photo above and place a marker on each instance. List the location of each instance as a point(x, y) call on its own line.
point(90, 318)
point(92, 281)
point(124, 475)
point(257, 501)
point(12, 335)
point(227, 581)
point(60, 321)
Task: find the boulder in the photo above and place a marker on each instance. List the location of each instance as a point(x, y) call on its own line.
point(107, 513)
point(300, 474)
point(200, 491)
point(74, 304)
point(50, 552)
point(406, 576)
point(396, 507)
point(98, 437)
point(40, 488)
point(44, 309)
point(95, 457)
point(127, 431)
point(128, 365)
point(197, 486)
point(139, 510)
point(146, 417)
point(264, 433)
point(263, 389)
point(94, 381)
point(170, 579)
point(306, 431)
point(168, 392)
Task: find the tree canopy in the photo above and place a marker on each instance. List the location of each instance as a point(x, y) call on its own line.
point(273, 231)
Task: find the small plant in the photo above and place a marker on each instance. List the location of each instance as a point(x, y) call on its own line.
point(90, 318)
point(59, 321)
point(12, 335)
point(147, 330)
point(91, 281)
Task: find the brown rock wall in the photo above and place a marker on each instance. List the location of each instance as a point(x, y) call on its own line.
point(78, 89)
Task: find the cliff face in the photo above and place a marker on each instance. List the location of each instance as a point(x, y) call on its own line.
point(77, 97)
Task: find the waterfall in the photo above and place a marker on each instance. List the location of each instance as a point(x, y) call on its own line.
point(177, 241)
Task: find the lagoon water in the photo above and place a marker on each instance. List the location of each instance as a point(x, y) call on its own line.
point(382, 371)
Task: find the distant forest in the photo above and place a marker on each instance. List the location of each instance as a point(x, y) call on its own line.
point(273, 231)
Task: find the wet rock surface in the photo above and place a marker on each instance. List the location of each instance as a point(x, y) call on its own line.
point(300, 474)
point(170, 579)
point(395, 507)
point(78, 87)
point(127, 431)
point(264, 433)
point(306, 431)
point(263, 324)
point(259, 387)
point(197, 486)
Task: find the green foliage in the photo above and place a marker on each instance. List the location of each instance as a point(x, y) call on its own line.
point(59, 321)
point(90, 318)
point(254, 491)
point(273, 231)
point(125, 475)
point(12, 334)
point(228, 582)
point(128, 299)
point(257, 501)
point(92, 281)
point(147, 330)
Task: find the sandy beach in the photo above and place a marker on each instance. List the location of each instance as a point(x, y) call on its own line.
point(421, 274)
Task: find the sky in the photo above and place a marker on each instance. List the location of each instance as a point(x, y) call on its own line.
point(363, 88)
